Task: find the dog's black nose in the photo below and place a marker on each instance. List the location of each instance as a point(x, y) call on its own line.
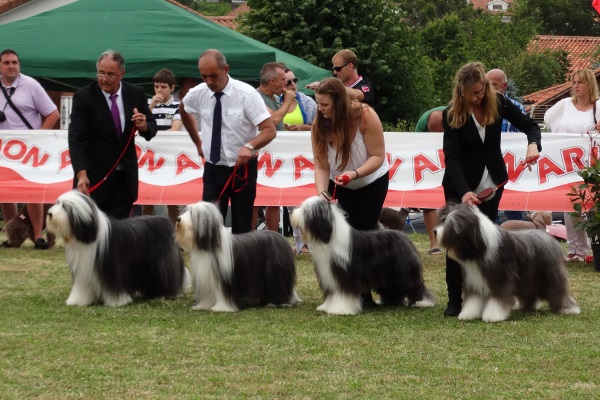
point(434, 231)
point(178, 219)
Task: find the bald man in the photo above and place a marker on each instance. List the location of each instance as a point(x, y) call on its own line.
point(498, 79)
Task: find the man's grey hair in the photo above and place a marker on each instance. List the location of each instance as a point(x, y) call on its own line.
point(269, 71)
point(114, 56)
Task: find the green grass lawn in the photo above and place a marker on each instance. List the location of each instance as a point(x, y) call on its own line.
point(164, 349)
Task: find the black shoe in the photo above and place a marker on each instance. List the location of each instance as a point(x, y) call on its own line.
point(41, 244)
point(6, 245)
point(366, 298)
point(452, 310)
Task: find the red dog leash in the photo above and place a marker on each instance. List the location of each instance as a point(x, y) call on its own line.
point(90, 190)
point(244, 179)
point(488, 193)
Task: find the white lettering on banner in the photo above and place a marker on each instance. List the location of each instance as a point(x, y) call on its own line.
point(35, 167)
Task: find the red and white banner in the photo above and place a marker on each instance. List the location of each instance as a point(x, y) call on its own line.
point(35, 167)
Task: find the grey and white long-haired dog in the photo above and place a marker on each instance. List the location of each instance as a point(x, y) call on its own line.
point(113, 260)
point(503, 269)
point(348, 262)
point(233, 272)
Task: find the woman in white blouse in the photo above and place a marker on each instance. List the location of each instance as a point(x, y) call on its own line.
point(577, 114)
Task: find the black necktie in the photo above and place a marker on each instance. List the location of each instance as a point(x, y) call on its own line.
point(215, 145)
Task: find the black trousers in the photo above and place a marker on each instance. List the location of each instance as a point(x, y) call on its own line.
point(454, 278)
point(118, 204)
point(240, 190)
point(363, 205)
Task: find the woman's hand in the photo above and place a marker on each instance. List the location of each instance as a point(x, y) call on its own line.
point(471, 199)
point(532, 155)
point(346, 178)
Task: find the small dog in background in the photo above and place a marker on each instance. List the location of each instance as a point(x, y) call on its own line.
point(539, 220)
point(113, 260)
point(501, 265)
point(19, 229)
point(348, 261)
point(233, 272)
point(393, 219)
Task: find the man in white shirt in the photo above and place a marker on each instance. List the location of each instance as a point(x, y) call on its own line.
point(230, 168)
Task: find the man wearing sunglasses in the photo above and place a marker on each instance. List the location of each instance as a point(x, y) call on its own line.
point(345, 68)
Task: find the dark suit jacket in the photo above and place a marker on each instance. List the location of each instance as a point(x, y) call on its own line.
point(466, 155)
point(93, 142)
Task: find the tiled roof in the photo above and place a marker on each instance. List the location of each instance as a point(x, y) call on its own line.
point(483, 4)
point(579, 48)
point(225, 20)
point(6, 5)
point(229, 20)
point(545, 95)
point(241, 9)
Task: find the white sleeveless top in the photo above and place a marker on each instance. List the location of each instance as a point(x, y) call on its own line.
point(358, 156)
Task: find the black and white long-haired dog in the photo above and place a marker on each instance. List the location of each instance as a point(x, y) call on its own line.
point(113, 260)
point(233, 272)
point(348, 262)
point(502, 266)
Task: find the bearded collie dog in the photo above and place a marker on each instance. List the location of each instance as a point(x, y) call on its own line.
point(113, 260)
point(500, 266)
point(348, 262)
point(233, 272)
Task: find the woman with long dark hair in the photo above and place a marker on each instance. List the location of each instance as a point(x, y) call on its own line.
point(349, 155)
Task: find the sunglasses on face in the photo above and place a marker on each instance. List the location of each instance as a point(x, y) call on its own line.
point(338, 69)
point(290, 81)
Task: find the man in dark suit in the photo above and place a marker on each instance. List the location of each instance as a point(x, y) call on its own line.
point(105, 116)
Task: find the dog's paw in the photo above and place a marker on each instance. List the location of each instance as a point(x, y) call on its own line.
point(341, 305)
point(424, 303)
point(495, 311)
point(572, 310)
point(117, 300)
point(465, 316)
point(76, 303)
point(223, 307)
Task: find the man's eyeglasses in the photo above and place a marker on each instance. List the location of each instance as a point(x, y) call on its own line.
point(338, 69)
point(290, 81)
point(109, 76)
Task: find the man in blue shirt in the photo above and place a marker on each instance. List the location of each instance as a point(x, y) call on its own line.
point(498, 79)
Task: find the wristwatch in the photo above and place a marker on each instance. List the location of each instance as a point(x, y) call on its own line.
point(250, 147)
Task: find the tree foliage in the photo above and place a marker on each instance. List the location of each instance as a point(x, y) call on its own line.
point(537, 71)
point(419, 13)
point(472, 35)
point(411, 49)
point(387, 50)
point(558, 17)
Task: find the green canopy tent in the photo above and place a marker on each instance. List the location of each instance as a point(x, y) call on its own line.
point(60, 47)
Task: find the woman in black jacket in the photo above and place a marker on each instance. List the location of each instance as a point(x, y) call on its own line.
point(474, 162)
